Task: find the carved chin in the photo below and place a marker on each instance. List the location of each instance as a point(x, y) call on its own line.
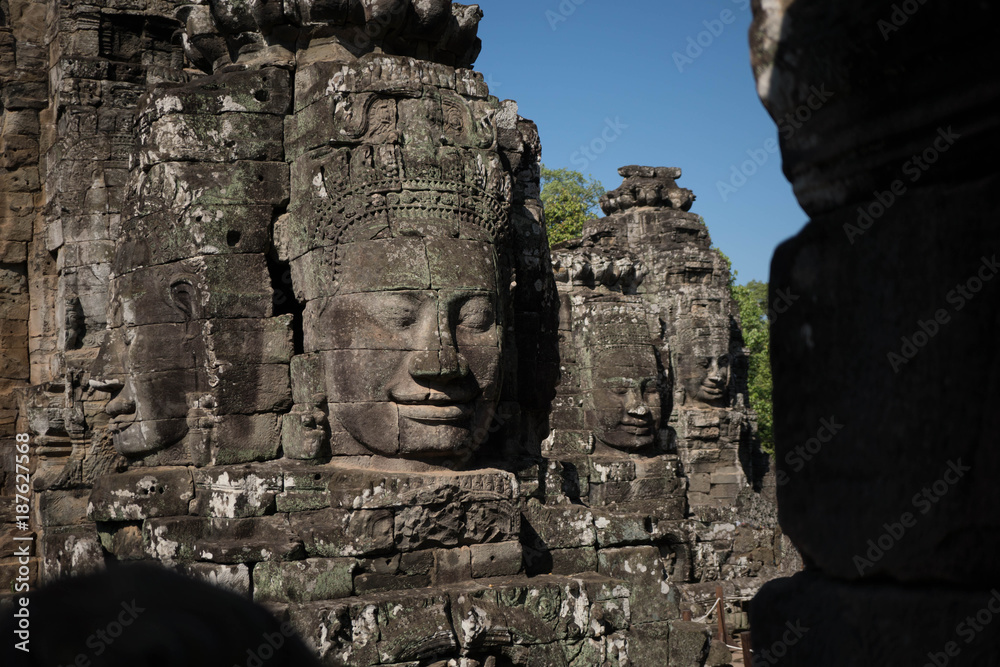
point(434, 436)
point(620, 439)
point(389, 429)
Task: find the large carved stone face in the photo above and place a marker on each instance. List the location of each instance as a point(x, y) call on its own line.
point(161, 369)
point(705, 377)
point(412, 345)
point(626, 397)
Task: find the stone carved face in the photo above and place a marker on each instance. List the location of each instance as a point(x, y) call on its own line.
point(193, 352)
point(705, 377)
point(160, 365)
point(626, 397)
point(412, 372)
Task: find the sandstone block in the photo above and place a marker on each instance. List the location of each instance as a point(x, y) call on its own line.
point(304, 580)
point(141, 494)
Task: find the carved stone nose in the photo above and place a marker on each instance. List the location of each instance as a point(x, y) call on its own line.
point(634, 404)
point(122, 404)
point(444, 364)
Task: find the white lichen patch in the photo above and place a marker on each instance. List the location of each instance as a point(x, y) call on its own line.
point(80, 554)
point(604, 471)
point(337, 82)
point(365, 626)
point(367, 495)
point(160, 546)
point(229, 104)
point(320, 186)
point(168, 104)
point(229, 496)
point(575, 605)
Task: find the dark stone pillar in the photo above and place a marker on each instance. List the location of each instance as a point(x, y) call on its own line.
point(886, 368)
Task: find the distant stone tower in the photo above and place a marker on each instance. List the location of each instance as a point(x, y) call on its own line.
point(650, 250)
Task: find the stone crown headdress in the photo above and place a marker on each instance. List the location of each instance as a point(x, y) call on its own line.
point(616, 324)
point(472, 192)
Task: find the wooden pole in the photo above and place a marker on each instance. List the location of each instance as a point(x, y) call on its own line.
point(747, 649)
point(686, 615)
point(721, 597)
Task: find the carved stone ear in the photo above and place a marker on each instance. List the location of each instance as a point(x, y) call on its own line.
point(183, 296)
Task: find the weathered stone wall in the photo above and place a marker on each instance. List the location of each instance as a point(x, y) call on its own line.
point(884, 368)
point(22, 62)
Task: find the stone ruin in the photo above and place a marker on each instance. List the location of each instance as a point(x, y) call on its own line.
point(280, 313)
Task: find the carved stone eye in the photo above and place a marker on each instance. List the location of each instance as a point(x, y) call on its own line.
point(476, 313)
point(396, 311)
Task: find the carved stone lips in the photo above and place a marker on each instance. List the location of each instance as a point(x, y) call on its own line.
point(435, 412)
point(121, 423)
point(434, 406)
point(712, 389)
point(636, 426)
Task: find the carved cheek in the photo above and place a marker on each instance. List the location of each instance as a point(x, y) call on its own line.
point(162, 395)
point(160, 409)
point(652, 399)
point(484, 365)
point(362, 376)
point(609, 407)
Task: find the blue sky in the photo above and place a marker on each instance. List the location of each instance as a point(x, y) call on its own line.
point(591, 70)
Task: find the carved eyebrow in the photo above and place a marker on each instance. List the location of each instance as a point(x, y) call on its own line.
point(620, 381)
point(414, 298)
point(384, 304)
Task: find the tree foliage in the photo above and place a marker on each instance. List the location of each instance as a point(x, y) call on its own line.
point(570, 199)
point(752, 301)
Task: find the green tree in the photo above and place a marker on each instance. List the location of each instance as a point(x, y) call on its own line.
point(752, 301)
point(570, 199)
